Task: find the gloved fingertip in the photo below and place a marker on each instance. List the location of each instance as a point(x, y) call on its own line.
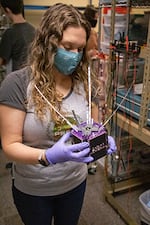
point(111, 150)
point(89, 159)
point(65, 137)
point(83, 145)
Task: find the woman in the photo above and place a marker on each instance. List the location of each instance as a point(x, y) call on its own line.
point(40, 101)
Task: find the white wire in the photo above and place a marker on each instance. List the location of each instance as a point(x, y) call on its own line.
point(89, 112)
point(109, 118)
point(89, 86)
point(67, 121)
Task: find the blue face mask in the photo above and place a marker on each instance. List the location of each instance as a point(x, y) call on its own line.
point(66, 61)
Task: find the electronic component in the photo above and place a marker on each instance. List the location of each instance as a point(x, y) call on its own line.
point(96, 135)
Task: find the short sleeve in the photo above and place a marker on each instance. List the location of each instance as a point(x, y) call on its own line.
point(14, 88)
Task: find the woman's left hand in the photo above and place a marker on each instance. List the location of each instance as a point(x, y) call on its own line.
point(112, 145)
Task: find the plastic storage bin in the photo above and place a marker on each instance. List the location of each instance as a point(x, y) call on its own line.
point(131, 104)
point(120, 19)
point(144, 199)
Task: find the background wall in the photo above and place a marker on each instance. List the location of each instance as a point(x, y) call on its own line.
point(34, 9)
point(51, 2)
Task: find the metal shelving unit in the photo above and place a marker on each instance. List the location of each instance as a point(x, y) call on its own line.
point(138, 129)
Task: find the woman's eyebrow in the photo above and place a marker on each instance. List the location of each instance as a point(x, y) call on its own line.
point(67, 42)
point(72, 46)
point(72, 43)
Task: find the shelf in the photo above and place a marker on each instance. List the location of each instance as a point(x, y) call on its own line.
point(133, 128)
point(38, 4)
point(136, 128)
point(111, 189)
point(139, 10)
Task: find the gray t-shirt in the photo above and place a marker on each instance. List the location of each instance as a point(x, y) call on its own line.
point(15, 44)
point(37, 179)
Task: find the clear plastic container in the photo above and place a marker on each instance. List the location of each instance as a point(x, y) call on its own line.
point(120, 19)
point(144, 209)
point(119, 30)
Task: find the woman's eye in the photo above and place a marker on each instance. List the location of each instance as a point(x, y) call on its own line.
point(71, 49)
point(68, 49)
point(80, 49)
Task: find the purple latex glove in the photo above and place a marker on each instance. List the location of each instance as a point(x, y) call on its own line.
point(62, 152)
point(112, 145)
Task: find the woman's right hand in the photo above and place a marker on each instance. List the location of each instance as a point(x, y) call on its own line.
point(62, 152)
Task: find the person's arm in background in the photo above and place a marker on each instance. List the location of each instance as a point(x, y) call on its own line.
point(2, 61)
point(91, 14)
point(95, 113)
point(92, 45)
point(5, 47)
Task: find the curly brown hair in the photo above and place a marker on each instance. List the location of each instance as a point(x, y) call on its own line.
point(48, 36)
